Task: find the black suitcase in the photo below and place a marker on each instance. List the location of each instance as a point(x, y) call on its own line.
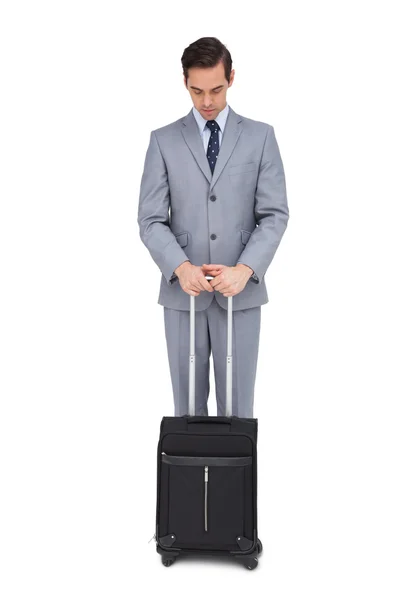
point(207, 478)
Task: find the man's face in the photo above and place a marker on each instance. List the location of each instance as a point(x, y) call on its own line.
point(207, 87)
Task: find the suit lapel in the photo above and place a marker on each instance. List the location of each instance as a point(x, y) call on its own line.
point(232, 131)
point(190, 132)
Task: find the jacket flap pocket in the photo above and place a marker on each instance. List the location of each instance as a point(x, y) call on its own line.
point(245, 236)
point(235, 170)
point(182, 239)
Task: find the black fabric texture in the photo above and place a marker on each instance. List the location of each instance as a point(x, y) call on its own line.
point(207, 506)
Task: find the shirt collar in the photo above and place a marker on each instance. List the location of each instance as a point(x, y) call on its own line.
point(221, 119)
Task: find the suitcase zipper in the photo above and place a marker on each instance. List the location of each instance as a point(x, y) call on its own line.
point(205, 498)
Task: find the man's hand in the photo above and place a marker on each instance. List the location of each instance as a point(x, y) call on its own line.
point(229, 281)
point(192, 279)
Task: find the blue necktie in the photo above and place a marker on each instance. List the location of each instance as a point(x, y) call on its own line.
point(213, 144)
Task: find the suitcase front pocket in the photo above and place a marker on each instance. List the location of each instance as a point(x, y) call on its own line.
point(206, 499)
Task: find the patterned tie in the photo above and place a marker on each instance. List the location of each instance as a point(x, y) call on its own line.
point(213, 144)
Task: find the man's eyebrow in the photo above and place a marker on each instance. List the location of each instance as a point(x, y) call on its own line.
point(213, 90)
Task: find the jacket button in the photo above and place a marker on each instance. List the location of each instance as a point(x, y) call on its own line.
point(213, 236)
point(213, 198)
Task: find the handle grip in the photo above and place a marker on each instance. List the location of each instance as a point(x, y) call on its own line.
point(219, 420)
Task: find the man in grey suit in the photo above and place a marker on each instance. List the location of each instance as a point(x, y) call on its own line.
point(212, 202)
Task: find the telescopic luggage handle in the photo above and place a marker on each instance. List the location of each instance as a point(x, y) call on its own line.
point(192, 358)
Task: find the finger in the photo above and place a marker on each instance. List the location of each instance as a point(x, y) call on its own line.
point(212, 273)
point(192, 287)
point(206, 286)
point(194, 284)
point(213, 266)
point(224, 288)
point(221, 287)
point(215, 275)
point(218, 280)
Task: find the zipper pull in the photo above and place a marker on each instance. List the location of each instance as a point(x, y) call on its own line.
point(205, 498)
point(153, 538)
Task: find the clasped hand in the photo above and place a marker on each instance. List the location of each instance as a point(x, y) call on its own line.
point(229, 281)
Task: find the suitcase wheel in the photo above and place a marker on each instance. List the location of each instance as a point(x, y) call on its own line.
point(251, 563)
point(167, 562)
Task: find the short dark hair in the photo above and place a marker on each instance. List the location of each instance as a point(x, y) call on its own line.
point(206, 52)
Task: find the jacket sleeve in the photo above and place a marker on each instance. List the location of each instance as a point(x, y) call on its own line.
point(270, 209)
point(153, 214)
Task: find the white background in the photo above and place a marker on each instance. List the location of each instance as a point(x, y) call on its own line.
point(84, 371)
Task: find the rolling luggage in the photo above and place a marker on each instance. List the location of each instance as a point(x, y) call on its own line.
point(207, 478)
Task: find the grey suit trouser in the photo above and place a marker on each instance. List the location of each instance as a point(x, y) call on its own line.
point(210, 336)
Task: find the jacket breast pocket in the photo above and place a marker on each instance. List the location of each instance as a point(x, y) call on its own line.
point(244, 168)
point(182, 238)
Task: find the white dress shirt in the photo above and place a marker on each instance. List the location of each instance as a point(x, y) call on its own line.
point(205, 131)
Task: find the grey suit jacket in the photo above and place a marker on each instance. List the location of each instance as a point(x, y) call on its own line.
point(238, 214)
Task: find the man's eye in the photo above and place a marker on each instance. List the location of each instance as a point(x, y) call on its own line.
point(216, 92)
